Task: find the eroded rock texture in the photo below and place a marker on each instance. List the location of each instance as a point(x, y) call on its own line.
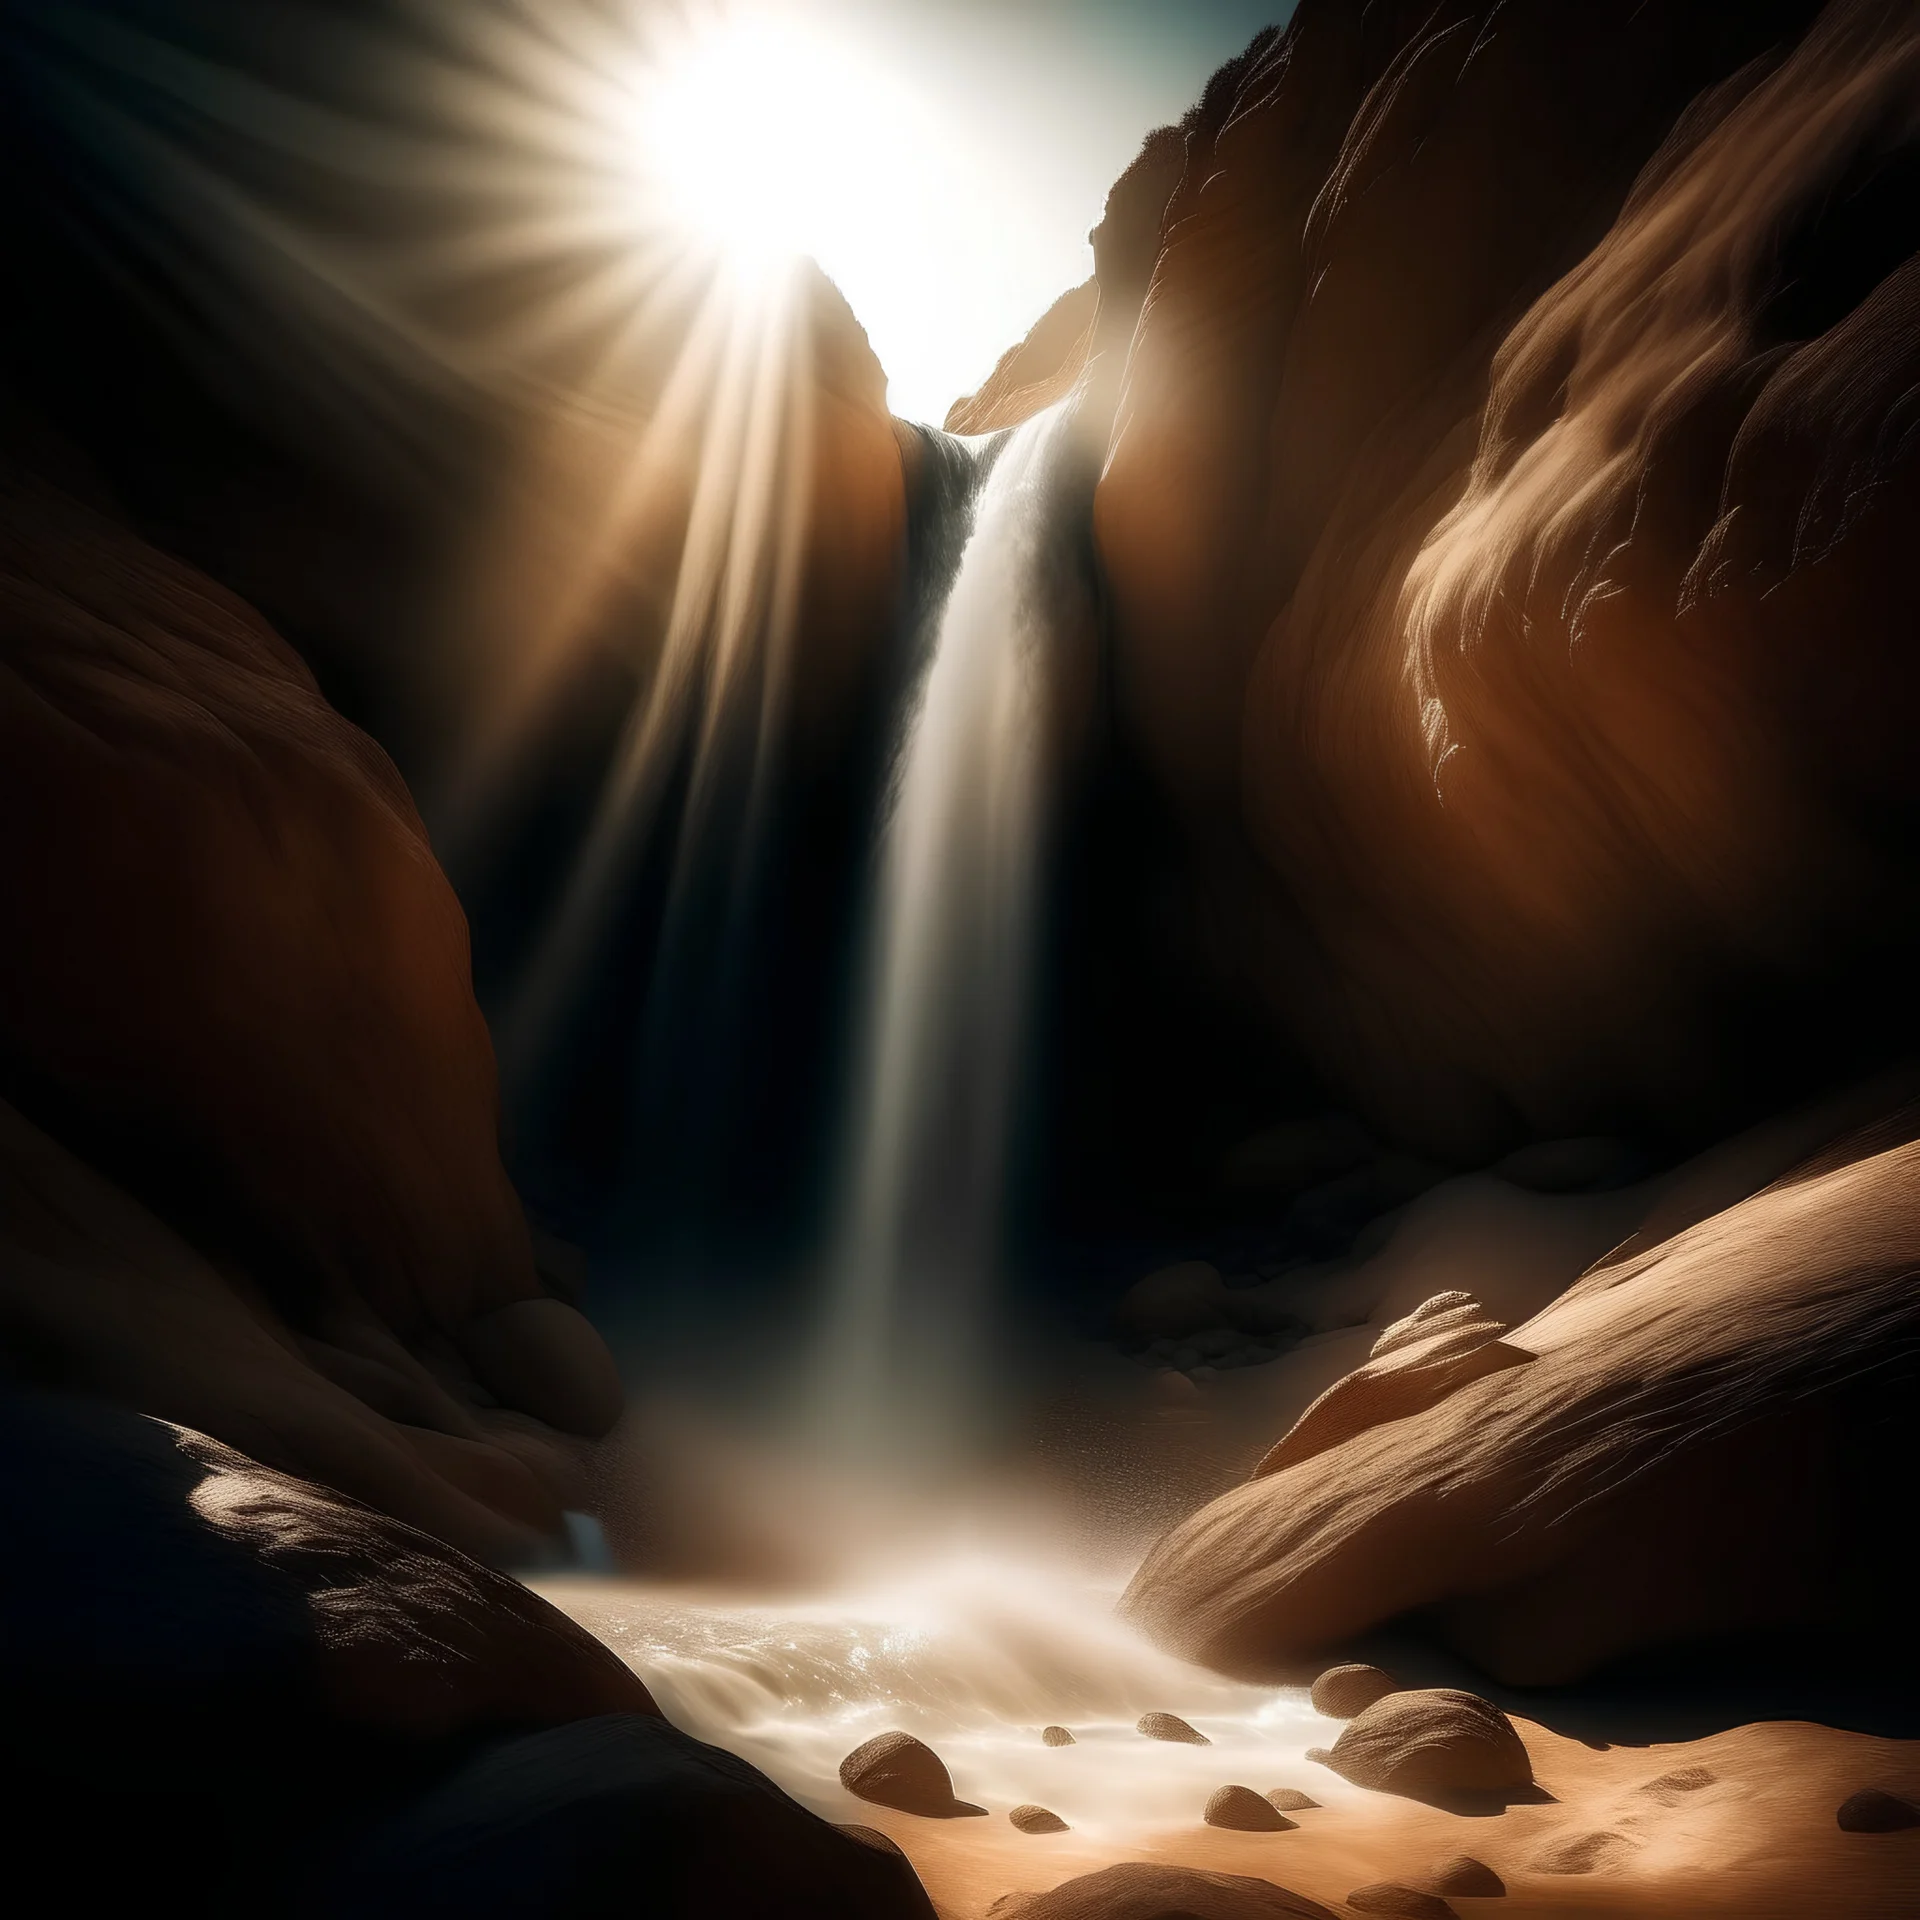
point(1506, 520)
point(1690, 1452)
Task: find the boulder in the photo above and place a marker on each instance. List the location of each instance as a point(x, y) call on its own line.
point(1169, 1726)
point(1407, 1903)
point(1873, 1811)
point(896, 1770)
point(1686, 1454)
point(1466, 1877)
point(1290, 1799)
point(1056, 1737)
point(1143, 1891)
point(580, 1821)
point(1433, 1741)
point(1342, 1692)
point(1031, 1819)
point(1244, 1811)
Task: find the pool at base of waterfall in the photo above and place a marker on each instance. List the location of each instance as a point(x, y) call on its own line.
point(975, 1656)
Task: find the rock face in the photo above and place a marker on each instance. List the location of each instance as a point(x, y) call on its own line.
point(1169, 1726)
point(1243, 1811)
point(1433, 1740)
point(896, 1770)
point(1342, 1692)
point(1519, 389)
point(1685, 1454)
point(1139, 1891)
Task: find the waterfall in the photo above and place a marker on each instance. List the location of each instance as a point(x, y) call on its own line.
point(947, 977)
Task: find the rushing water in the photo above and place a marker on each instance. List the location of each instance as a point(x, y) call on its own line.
point(947, 986)
point(975, 1655)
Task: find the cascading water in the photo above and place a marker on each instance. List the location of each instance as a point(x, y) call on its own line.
point(978, 1649)
point(948, 978)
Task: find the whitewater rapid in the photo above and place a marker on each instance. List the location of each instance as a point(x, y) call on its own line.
point(974, 1655)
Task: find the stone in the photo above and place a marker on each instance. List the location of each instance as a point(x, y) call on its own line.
point(1433, 1741)
point(1342, 1692)
point(1169, 1726)
point(1244, 1811)
point(1140, 1890)
point(1290, 1799)
point(1405, 1903)
point(896, 1770)
point(1466, 1877)
point(1873, 1811)
point(1056, 1736)
point(1032, 1819)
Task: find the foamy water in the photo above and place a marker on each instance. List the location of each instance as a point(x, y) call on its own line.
point(975, 1656)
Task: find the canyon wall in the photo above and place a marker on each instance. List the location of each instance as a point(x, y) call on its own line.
point(1503, 518)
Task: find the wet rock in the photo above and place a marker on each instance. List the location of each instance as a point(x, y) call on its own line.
point(1056, 1737)
point(1467, 1877)
point(1032, 1819)
point(1169, 1726)
point(1342, 1692)
point(1244, 1811)
point(1290, 1799)
point(1405, 1902)
point(896, 1770)
point(1140, 1890)
point(1431, 1741)
point(1595, 1852)
point(1872, 1811)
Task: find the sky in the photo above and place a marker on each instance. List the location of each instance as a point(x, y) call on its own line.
point(943, 160)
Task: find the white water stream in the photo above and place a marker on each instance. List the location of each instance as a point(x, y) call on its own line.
point(974, 1655)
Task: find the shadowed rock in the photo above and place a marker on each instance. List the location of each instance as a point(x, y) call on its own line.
point(1056, 1736)
point(1467, 1877)
point(1405, 1903)
point(1433, 1741)
point(896, 1770)
point(1169, 1726)
point(1139, 1891)
point(1342, 1692)
point(1244, 1811)
point(1032, 1819)
point(1872, 1811)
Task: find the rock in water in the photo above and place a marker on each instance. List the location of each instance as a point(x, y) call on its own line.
point(1244, 1811)
point(1434, 1740)
point(1143, 1891)
point(896, 1770)
point(1032, 1819)
point(1289, 1799)
point(1342, 1692)
point(1169, 1726)
point(1056, 1736)
point(1403, 1902)
point(1471, 1879)
point(1871, 1811)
